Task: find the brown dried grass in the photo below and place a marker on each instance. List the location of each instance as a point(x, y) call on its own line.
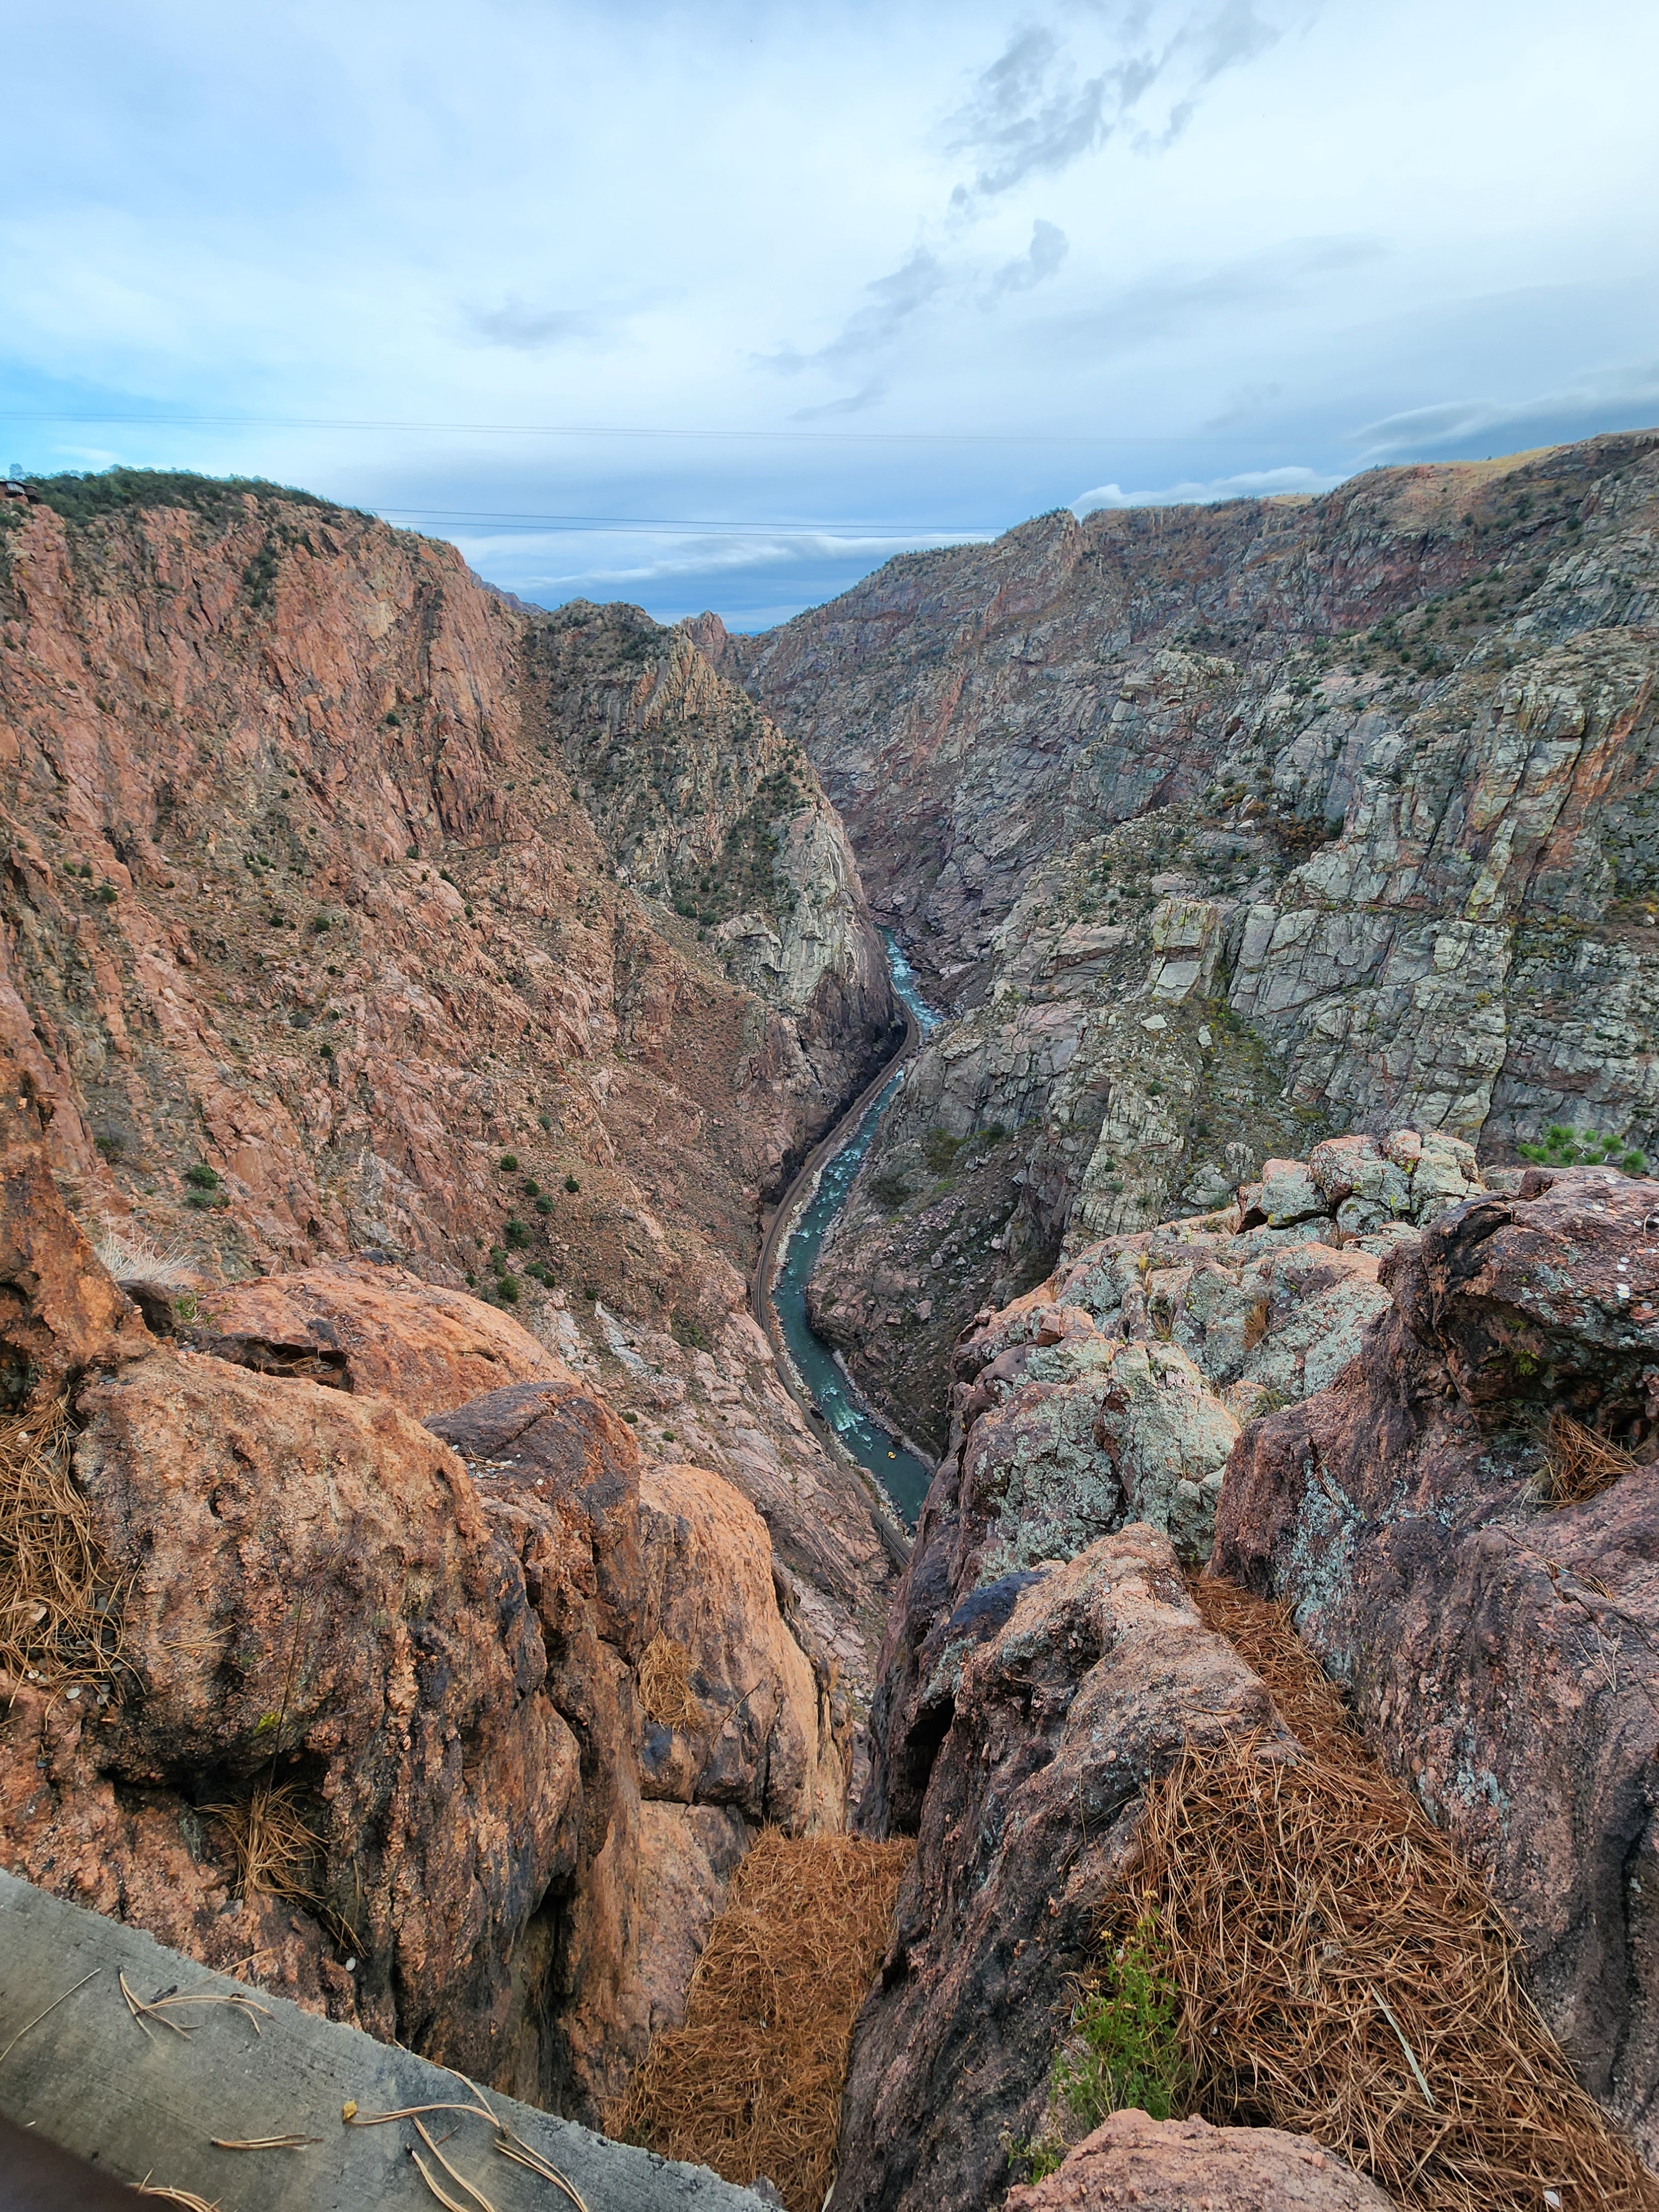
point(1578, 1464)
point(753, 2083)
point(1261, 1632)
point(274, 1845)
point(1343, 1973)
point(59, 1618)
point(665, 1694)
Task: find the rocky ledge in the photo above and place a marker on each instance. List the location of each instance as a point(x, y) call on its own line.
point(1421, 1413)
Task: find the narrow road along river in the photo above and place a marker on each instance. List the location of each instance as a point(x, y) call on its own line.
point(781, 1303)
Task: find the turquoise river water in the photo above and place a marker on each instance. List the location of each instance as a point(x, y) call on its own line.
point(903, 1476)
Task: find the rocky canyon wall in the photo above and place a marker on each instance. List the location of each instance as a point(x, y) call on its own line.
point(1220, 829)
point(1414, 1407)
point(347, 909)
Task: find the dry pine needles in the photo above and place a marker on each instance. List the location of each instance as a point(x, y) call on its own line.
point(666, 1693)
point(1343, 1974)
point(1578, 1465)
point(751, 2085)
point(59, 1624)
point(274, 1846)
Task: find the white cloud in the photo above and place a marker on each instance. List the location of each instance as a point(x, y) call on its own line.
point(1626, 396)
point(1198, 242)
point(1250, 483)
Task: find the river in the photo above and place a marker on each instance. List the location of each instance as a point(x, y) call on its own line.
point(900, 1474)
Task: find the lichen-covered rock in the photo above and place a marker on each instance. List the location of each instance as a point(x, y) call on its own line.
point(1177, 2165)
point(1071, 1686)
point(374, 1330)
point(1115, 1391)
point(1502, 1653)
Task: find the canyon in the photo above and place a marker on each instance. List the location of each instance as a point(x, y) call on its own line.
point(1221, 830)
point(413, 1007)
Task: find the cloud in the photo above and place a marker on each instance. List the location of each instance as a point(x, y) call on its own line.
point(1165, 305)
point(1622, 394)
point(716, 551)
point(894, 299)
point(1029, 115)
point(534, 330)
point(1034, 113)
point(854, 402)
point(1253, 483)
point(1042, 258)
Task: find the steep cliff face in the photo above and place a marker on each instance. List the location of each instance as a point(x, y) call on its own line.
point(1221, 830)
point(704, 804)
point(287, 1676)
point(314, 948)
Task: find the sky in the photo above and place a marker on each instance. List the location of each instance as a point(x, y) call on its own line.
point(722, 305)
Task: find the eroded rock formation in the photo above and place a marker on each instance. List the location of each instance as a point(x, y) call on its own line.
point(350, 914)
point(1171, 2166)
point(1424, 1411)
point(1068, 1687)
point(1220, 829)
point(1116, 1391)
point(363, 1698)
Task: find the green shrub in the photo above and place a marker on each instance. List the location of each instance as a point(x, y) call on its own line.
point(509, 1162)
point(202, 1176)
point(939, 1148)
point(889, 1190)
point(507, 1288)
point(80, 497)
point(544, 1205)
point(1565, 1148)
point(517, 1235)
point(1124, 2050)
point(531, 1188)
point(571, 1183)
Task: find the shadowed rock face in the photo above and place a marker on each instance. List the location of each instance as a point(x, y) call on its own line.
point(1221, 830)
point(1068, 1689)
point(1504, 1656)
point(1170, 2165)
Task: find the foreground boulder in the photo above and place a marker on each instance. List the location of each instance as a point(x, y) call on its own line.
point(1056, 1697)
point(1435, 1519)
point(371, 1329)
point(1115, 1392)
point(1174, 2166)
point(362, 1701)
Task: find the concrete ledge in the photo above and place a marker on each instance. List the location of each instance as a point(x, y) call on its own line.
point(89, 2079)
